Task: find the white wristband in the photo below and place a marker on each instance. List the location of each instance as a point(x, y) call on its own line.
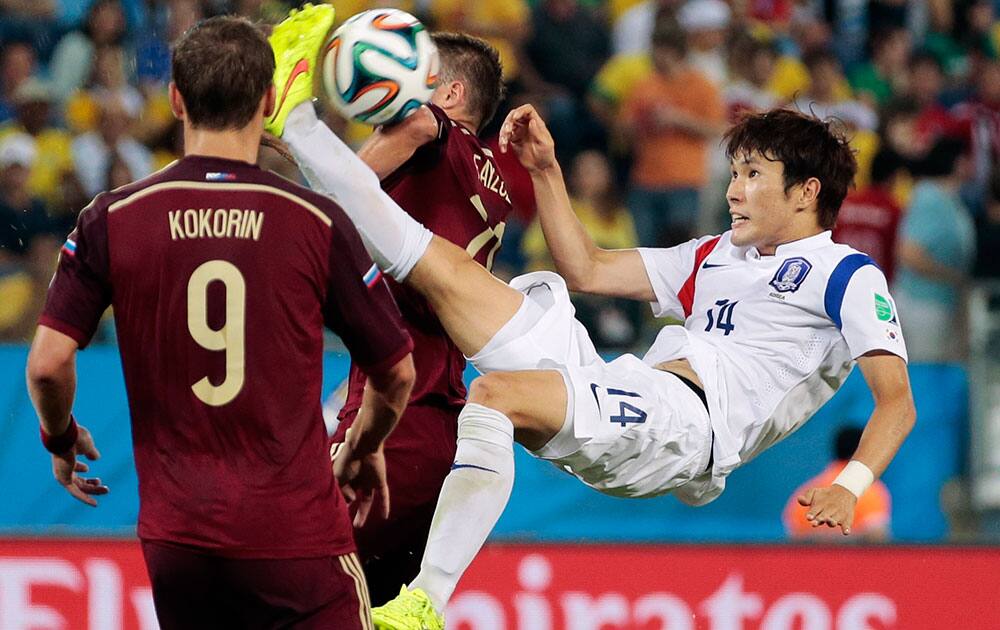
point(856, 477)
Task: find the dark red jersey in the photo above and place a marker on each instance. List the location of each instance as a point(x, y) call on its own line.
point(222, 277)
point(451, 185)
point(868, 221)
point(522, 191)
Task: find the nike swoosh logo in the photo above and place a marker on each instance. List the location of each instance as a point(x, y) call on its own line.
point(301, 67)
point(593, 390)
point(456, 466)
point(711, 266)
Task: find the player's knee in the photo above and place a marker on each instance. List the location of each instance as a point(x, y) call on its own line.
point(494, 390)
point(487, 390)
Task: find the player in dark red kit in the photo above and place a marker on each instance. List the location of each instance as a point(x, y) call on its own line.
point(222, 277)
point(437, 169)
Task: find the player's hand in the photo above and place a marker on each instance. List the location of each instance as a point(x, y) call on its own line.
point(65, 468)
point(832, 506)
point(361, 479)
point(525, 132)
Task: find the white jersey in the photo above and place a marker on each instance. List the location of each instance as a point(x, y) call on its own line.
point(771, 337)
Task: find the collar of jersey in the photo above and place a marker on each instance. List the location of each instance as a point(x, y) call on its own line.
point(807, 244)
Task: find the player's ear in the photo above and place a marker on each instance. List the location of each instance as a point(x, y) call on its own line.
point(454, 95)
point(176, 102)
point(808, 193)
point(269, 101)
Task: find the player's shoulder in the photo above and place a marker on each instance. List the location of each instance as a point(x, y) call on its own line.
point(293, 189)
point(432, 123)
point(105, 201)
point(841, 262)
point(718, 242)
point(847, 271)
point(455, 136)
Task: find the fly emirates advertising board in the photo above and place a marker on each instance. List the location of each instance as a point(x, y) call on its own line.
point(77, 584)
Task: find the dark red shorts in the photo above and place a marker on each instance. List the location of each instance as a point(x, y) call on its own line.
point(192, 590)
point(418, 456)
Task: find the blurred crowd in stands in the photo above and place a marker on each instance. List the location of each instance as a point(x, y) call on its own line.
point(637, 94)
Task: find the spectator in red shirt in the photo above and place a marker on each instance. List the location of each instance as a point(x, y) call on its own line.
point(926, 84)
point(979, 121)
point(869, 217)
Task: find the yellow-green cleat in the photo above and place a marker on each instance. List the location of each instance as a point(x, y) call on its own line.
point(410, 610)
point(296, 43)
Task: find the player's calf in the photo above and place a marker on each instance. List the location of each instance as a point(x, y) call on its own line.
point(472, 498)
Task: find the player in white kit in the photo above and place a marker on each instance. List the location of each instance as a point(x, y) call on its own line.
point(775, 317)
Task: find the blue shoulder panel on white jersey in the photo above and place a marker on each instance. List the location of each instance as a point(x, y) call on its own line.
point(836, 286)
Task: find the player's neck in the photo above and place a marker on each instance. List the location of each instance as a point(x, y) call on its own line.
point(791, 237)
point(240, 144)
point(459, 116)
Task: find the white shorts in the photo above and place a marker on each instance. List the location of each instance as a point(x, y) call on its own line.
point(630, 430)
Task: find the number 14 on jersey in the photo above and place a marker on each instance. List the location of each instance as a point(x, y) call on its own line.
point(721, 317)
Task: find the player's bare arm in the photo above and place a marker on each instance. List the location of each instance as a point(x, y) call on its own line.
point(391, 146)
point(51, 376)
point(360, 464)
point(585, 266)
point(890, 423)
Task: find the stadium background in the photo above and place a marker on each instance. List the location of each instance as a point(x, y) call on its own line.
point(562, 556)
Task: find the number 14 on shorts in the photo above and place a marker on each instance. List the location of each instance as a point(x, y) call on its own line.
point(628, 413)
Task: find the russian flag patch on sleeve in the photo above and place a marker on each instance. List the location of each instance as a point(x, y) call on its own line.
point(69, 247)
point(372, 276)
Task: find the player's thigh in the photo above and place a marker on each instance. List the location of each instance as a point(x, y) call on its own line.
point(185, 586)
point(543, 333)
point(350, 608)
point(534, 400)
point(302, 593)
point(471, 303)
point(634, 431)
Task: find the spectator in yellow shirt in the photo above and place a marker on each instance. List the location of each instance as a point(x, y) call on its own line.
point(505, 24)
point(33, 100)
point(597, 206)
point(27, 250)
point(613, 323)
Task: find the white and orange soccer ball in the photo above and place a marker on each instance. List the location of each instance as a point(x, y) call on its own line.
point(380, 66)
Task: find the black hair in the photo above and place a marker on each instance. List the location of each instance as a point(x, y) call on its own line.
point(806, 146)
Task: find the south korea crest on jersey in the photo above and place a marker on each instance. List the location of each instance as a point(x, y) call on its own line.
point(791, 274)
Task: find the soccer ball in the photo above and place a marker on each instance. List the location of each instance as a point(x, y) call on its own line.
point(380, 66)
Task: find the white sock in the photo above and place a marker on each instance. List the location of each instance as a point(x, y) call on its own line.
point(393, 238)
point(473, 497)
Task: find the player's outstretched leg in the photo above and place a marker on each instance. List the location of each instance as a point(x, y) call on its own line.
point(528, 406)
point(471, 304)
